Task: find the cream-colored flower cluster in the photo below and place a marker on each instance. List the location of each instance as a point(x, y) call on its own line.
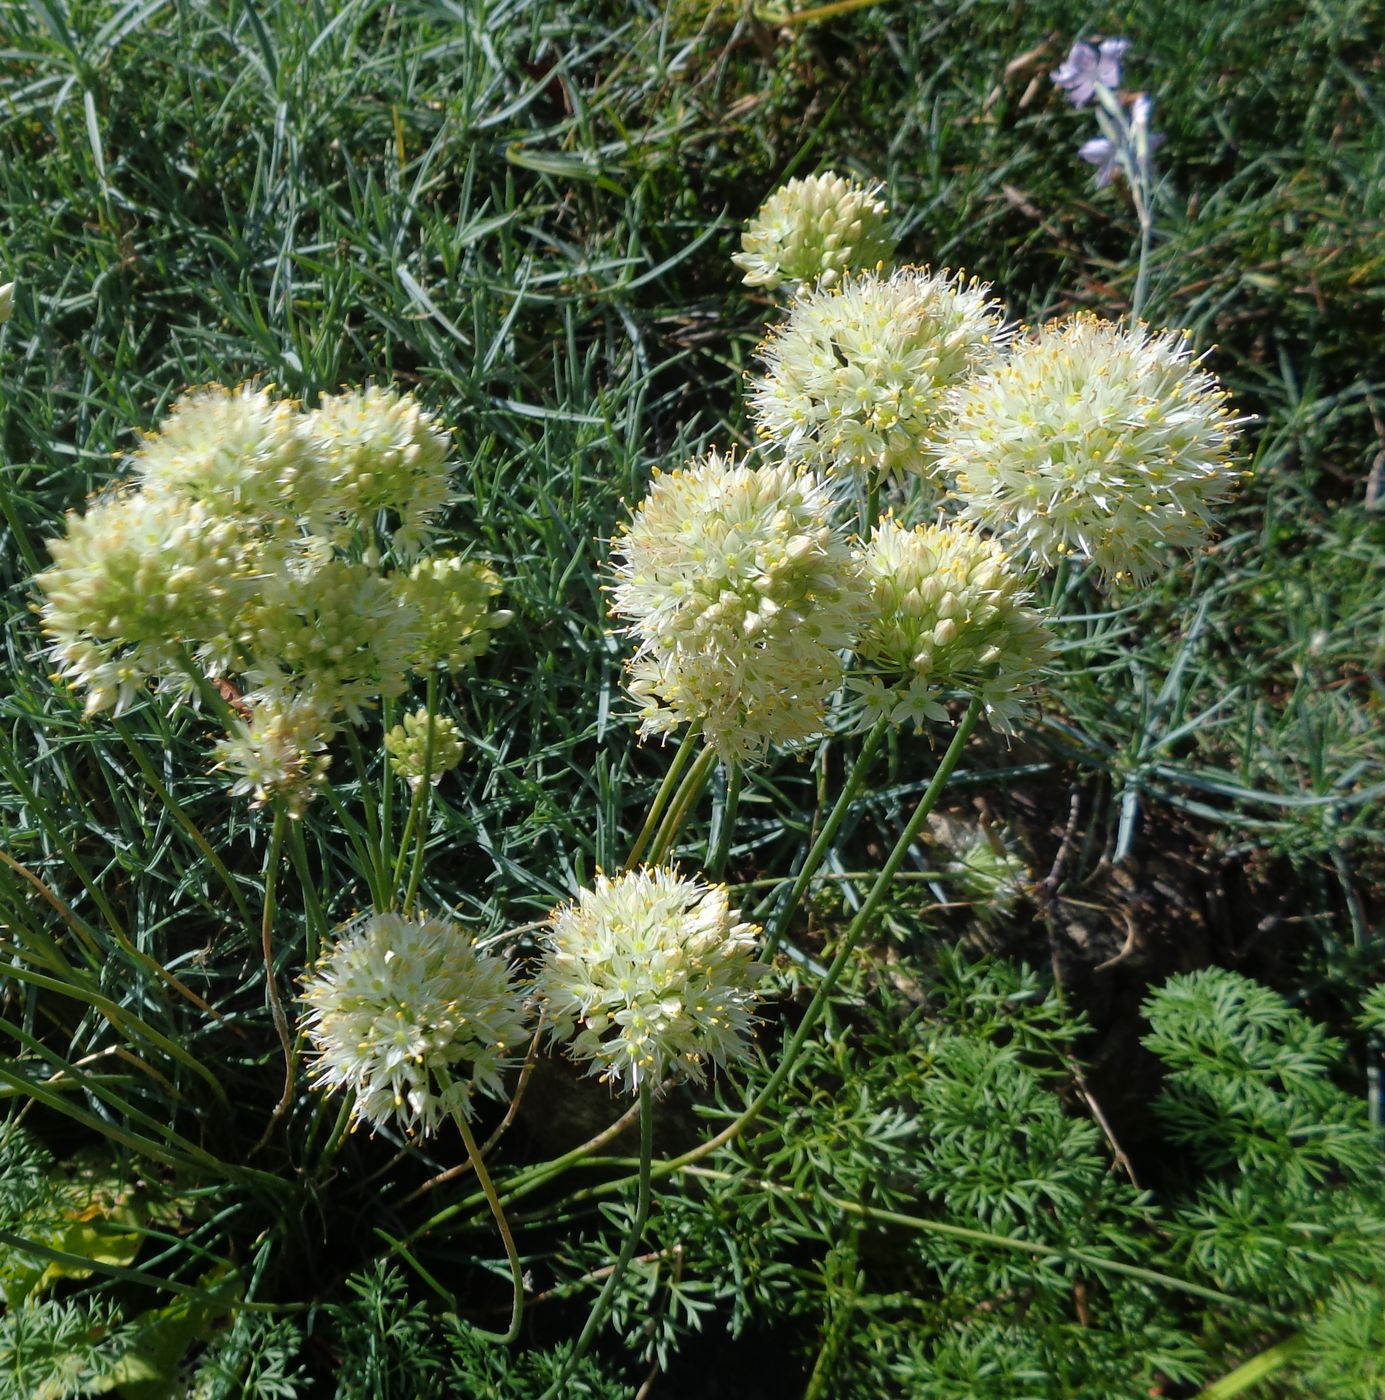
point(945, 614)
point(1087, 439)
point(452, 597)
point(250, 547)
point(739, 589)
point(856, 379)
point(813, 230)
point(412, 1020)
point(1094, 440)
point(407, 746)
point(649, 975)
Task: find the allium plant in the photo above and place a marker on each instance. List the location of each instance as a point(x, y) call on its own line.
point(1093, 440)
point(813, 230)
point(739, 591)
point(411, 1020)
point(132, 580)
point(241, 454)
point(278, 753)
point(946, 614)
point(251, 552)
point(856, 378)
point(452, 598)
point(649, 975)
point(383, 453)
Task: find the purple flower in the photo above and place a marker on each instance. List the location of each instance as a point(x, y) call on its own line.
point(1089, 64)
point(1133, 137)
point(1101, 153)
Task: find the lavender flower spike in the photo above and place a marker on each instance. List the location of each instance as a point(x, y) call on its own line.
point(1134, 147)
point(1089, 64)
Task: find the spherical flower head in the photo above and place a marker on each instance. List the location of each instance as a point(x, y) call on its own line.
point(1096, 440)
point(278, 753)
point(337, 632)
point(412, 1020)
point(383, 453)
point(740, 592)
point(407, 747)
point(858, 376)
point(132, 581)
point(451, 596)
point(813, 230)
point(648, 975)
point(242, 454)
point(946, 613)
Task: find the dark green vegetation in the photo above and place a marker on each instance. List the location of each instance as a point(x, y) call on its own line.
point(524, 211)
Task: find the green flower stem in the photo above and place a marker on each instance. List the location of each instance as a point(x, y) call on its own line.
point(317, 920)
point(372, 826)
point(661, 798)
point(406, 840)
point(529, 1179)
point(483, 1180)
point(679, 809)
point(333, 1145)
point(181, 817)
point(725, 824)
point(627, 1250)
point(387, 785)
point(361, 848)
point(817, 853)
point(872, 512)
point(985, 1237)
point(426, 787)
point(855, 929)
point(276, 1005)
point(1249, 1374)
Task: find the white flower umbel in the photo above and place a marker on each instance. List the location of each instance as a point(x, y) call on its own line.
point(1095, 440)
point(411, 1020)
point(337, 632)
point(383, 454)
point(813, 230)
point(241, 453)
point(278, 753)
point(648, 975)
point(134, 580)
point(946, 614)
point(451, 596)
point(856, 378)
point(740, 593)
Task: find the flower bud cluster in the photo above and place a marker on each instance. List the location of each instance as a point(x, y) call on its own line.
point(132, 577)
point(856, 378)
point(451, 596)
point(249, 548)
point(813, 230)
point(945, 614)
point(739, 590)
point(649, 975)
point(1094, 440)
point(412, 1020)
point(407, 747)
